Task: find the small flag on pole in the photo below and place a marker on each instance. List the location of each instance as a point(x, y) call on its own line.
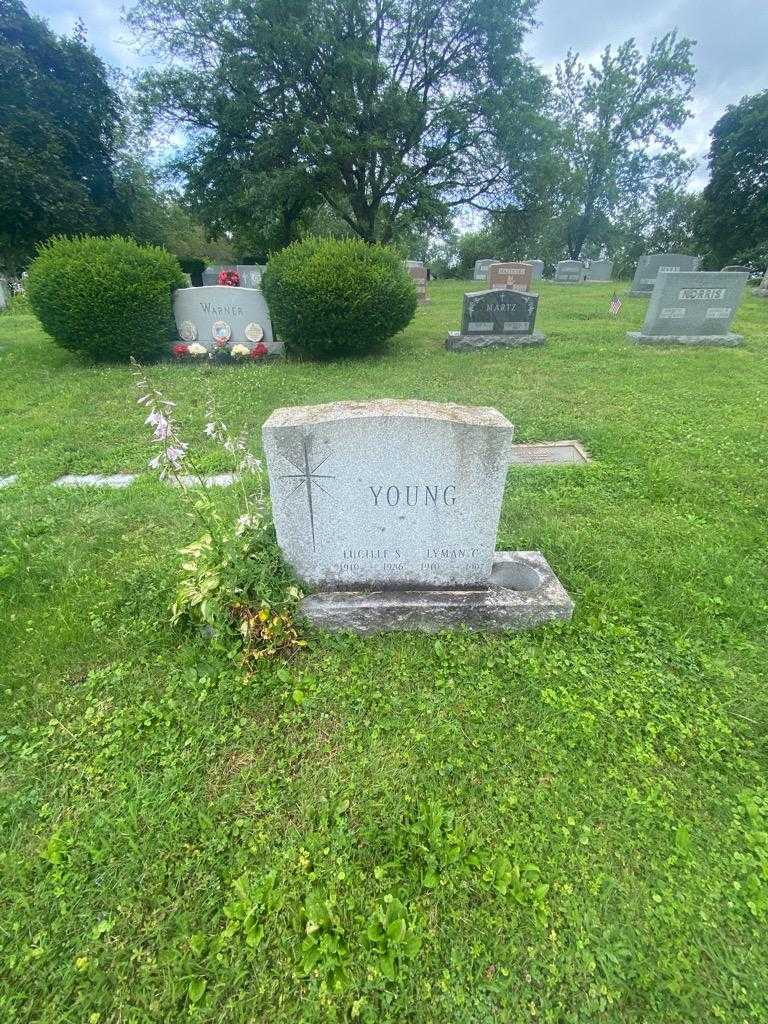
point(615, 304)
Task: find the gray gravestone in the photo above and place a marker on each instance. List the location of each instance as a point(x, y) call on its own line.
point(481, 269)
point(599, 270)
point(735, 268)
point(570, 272)
point(648, 267)
point(5, 293)
point(222, 317)
point(762, 291)
point(418, 275)
point(497, 318)
point(250, 274)
point(692, 308)
point(390, 509)
point(414, 263)
point(211, 273)
point(538, 268)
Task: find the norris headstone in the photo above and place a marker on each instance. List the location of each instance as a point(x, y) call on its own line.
point(222, 317)
point(418, 275)
point(481, 269)
point(570, 272)
point(692, 308)
point(497, 318)
point(666, 262)
point(389, 509)
point(508, 274)
point(599, 270)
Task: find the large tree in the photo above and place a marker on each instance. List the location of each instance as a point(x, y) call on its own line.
point(57, 136)
point(735, 208)
point(615, 144)
point(383, 111)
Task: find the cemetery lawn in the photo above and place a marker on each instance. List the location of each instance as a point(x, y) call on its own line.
point(569, 825)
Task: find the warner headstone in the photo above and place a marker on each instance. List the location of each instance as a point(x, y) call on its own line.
point(418, 275)
point(648, 267)
point(497, 318)
point(538, 268)
point(389, 510)
point(762, 291)
point(692, 308)
point(599, 270)
point(510, 275)
point(222, 317)
point(250, 274)
point(570, 272)
point(481, 269)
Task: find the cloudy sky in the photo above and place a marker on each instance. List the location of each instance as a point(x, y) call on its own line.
point(731, 35)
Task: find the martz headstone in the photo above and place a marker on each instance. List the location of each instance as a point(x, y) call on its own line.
point(497, 318)
point(648, 267)
point(570, 272)
point(692, 308)
point(481, 269)
point(599, 270)
point(223, 317)
point(389, 510)
point(507, 274)
point(418, 275)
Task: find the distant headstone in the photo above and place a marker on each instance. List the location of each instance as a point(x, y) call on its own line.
point(481, 269)
point(510, 275)
point(497, 318)
point(666, 262)
point(692, 308)
point(390, 510)
point(223, 317)
point(414, 263)
point(762, 291)
point(250, 274)
point(570, 272)
point(599, 270)
point(735, 268)
point(5, 293)
point(211, 274)
point(418, 275)
point(538, 268)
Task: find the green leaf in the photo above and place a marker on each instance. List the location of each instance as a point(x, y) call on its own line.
point(196, 989)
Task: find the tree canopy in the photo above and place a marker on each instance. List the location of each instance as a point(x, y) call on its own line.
point(386, 112)
point(735, 202)
point(58, 118)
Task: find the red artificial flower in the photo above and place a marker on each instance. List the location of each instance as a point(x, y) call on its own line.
point(221, 343)
point(180, 351)
point(259, 351)
point(229, 277)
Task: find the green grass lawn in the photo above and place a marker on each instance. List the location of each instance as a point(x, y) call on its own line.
point(565, 825)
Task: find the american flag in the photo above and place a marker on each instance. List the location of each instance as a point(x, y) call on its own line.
point(615, 304)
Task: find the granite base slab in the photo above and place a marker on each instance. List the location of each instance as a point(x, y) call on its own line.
point(524, 593)
point(458, 342)
point(723, 340)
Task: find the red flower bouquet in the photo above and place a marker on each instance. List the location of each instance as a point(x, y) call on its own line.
point(259, 351)
point(229, 277)
point(180, 351)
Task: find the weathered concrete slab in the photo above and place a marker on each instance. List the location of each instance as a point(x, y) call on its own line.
point(115, 480)
point(215, 480)
point(549, 453)
point(6, 481)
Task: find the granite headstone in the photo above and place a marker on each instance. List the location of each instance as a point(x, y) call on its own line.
point(250, 274)
point(497, 318)
point(538, 268)
point(570, 272)
point(599, 270)
point(762, 290)
point(692, 308)
point(666, 262)
point(508, 274)
point(211, 273)
point(418, 275)
point(390, 510)
point(222, 317)
point(481, 269)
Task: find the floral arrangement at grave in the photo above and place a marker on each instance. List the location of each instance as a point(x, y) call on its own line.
point(235, 587)
point(231, 278)
point(222, 352)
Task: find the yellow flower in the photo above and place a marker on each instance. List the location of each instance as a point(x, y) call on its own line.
point(240, 350)
point(197, 349)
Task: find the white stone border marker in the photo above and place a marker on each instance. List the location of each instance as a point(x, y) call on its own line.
point(6, 481)
point(115, 480)
point(215, 480)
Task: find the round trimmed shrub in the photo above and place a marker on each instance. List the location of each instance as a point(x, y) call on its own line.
point(333, 297)
point(108, 298)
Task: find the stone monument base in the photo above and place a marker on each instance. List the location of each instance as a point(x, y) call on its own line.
point(760, 292)
point(524, 592)
point(458, 342)
point(724, 340)
point(638, 295)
